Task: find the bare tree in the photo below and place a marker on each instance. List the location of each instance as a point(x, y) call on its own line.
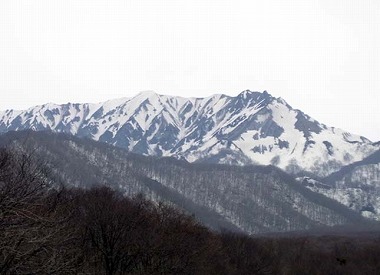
point(33, 219)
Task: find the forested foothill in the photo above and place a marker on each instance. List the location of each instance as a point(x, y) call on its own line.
point(244, 199)
point(46, 230)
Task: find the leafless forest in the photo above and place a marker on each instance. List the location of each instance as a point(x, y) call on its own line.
point(48, 230)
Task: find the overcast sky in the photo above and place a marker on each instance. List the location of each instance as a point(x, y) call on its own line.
point(320, 56)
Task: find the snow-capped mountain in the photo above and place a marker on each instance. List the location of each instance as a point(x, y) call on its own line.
point(252, 127)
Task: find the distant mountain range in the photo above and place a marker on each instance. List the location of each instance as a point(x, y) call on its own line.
point(251, 128)
point(250, 199)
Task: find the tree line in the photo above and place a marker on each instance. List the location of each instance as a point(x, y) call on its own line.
point(50, 229)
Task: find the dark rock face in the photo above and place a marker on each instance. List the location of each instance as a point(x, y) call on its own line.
point(329, 147)
point(308, 144)
point(306, 125)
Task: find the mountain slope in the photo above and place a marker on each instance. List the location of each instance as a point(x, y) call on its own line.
point(356, 185)
point(251, 199)
point(250, 128)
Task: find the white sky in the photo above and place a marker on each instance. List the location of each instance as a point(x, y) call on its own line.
point(320, 56)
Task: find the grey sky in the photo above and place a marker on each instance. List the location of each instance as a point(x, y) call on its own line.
point(321, 56)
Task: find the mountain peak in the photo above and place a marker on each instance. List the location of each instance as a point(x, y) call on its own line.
point(147, 94)
point(254, 94)
point(247, 93)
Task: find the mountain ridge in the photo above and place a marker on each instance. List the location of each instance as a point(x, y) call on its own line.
point(356, 185)
point(249, 128)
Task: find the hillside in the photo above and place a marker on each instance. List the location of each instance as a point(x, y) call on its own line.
point(356, 185)
point(250, 199)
